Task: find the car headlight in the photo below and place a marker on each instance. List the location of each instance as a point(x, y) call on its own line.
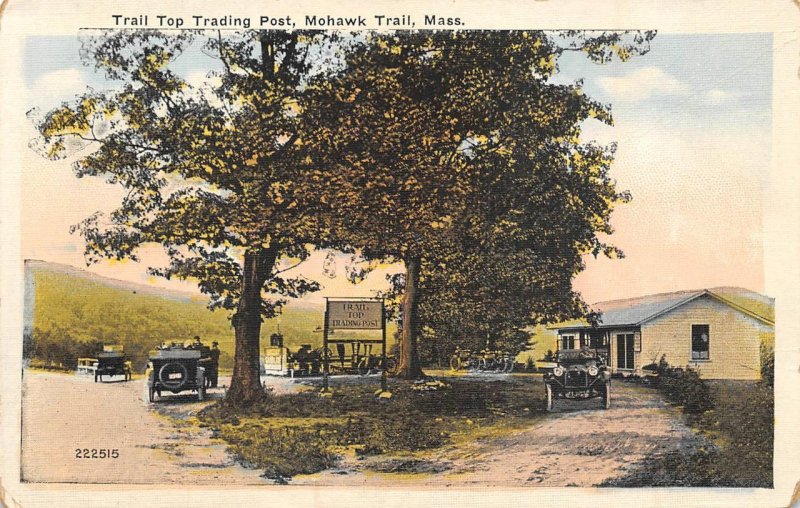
point(558, 371)
point(592, 370)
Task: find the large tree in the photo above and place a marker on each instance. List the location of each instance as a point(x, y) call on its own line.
point(210, 170)
point(464, 136)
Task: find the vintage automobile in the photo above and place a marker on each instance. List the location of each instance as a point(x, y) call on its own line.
point(111, 361)
point(176, 369)
point(578, 374)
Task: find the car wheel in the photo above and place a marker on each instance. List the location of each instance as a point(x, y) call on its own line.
point(151, 394)
point(607, 396)
point(510, 365)
point(363, 367)
point(549, 399)
point(173, 368)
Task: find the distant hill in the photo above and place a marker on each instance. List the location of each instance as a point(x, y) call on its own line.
point(66, 304)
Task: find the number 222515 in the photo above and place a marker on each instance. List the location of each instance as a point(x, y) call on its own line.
point(96, 453)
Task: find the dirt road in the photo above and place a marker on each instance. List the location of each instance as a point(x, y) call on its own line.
point(63, 413)
point(579, 444)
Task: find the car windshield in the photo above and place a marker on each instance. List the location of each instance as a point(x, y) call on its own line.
point(578, 356)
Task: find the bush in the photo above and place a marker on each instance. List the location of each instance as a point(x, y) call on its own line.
point(683, 387)
point(530, 365)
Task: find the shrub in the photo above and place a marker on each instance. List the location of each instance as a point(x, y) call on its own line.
point(683, 387)
point(530, 365)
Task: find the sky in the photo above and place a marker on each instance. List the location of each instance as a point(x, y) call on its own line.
point(692, 123)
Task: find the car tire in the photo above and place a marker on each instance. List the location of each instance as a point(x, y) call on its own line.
point(607, 396)
point(151, 394)
point(549, 397)
point(509, 365)
point(163, 375)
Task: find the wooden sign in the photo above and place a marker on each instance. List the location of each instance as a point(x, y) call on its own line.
point(354, 315)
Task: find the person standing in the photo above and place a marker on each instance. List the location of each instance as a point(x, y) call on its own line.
point(214, 363)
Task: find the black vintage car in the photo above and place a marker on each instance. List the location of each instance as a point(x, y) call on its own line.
point(176, 369)
point(112, 362)
point(578, 374)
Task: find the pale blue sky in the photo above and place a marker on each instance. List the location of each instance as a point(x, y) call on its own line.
point(705, 80)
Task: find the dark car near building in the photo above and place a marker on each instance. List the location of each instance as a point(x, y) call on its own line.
point(112, 362)
point(578, 374)
point(176, 369)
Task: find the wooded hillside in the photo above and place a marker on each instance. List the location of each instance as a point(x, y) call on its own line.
point(74, 311)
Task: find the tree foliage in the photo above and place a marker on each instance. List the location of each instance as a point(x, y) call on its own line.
point(456, 153)
point(210, 171)
point(453, 152)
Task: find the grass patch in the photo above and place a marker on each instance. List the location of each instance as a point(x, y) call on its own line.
point(739, 428)
point(303, 433)
point(281, 452)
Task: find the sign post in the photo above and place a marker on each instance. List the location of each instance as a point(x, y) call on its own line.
point(384, 374)
point(354, 314)
point(325, 355)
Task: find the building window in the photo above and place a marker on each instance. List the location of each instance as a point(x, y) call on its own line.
point(567, 342)
point(700, 342)
point(597, 339)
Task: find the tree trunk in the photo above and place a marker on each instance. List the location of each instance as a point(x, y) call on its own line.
point(409, 367)
point(267, 55)
point(246, 380)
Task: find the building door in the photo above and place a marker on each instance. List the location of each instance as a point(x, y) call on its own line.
point(625, 351)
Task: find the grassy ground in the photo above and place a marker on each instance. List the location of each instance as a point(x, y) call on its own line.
point(304, 433)
point(740, 428)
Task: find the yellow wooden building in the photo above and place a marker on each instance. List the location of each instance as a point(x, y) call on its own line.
point(717, 335)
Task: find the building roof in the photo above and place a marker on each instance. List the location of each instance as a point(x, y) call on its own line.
point(636, 311)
